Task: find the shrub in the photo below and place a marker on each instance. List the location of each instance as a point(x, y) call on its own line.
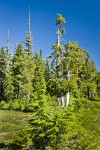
point(4, 105)
point(15, 105)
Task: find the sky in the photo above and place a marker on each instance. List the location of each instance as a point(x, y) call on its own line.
point(82, 24)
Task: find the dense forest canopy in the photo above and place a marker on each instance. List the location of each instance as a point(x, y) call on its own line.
point(57, 90)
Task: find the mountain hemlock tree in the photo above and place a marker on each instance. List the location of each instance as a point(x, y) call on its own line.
point(98, 83)
point(17, 71)
point(2, 72)
point(23, 72)
point(47, 70)
point(9, 78)
point(28, 36)
point(73, 63)
point(8, 52)
point(93, 80)
point(90, 77)
point(58, 53)
point(39, 84)
point(48, 127)
point(74, 59)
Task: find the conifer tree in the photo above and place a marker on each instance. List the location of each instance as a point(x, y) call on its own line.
point(58, 52)
point(47, 70)
point(2, 72)
point(74, 61)
point(8, 53)
point(39, 81)
point(28, 35)
point(28, 74)
point(89, 77)
point(58, 49)
point(23, 70)
point(17, 70)
point(9, 79)
point(48, 126)
point(98, 83)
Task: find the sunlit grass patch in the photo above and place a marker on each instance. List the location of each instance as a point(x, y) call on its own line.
point(11, 122)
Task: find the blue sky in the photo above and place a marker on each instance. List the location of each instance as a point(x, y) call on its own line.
point(82, 16)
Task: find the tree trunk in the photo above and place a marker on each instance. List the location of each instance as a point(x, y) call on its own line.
point(89, 93)
point(62, 98)
point(59, 101)
point(67, 94)
point(67, 98)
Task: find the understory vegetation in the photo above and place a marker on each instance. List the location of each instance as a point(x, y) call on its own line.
point(51, 104)
point(78, 127)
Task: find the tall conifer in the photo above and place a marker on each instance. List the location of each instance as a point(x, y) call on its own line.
point(8, 83)
point(2, 72)
point(28, 35)
point(23, 67)
point(58, 53)
point(39, 81)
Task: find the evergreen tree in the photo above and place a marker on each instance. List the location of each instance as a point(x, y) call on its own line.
point(58, 52)
point(74, 61)
point(47, 71)
point(58, 49)
point(28, 36)
point(23, 70)
point(98, 83)
point(17, 70)
point(9, 79)
point(41, 53)
point(28, 74)
point(39, 81)
point(2, 72)
point(48, 126)
point(89, 78)
point(8, 53)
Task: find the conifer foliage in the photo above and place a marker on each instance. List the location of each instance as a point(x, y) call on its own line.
point(28, 41)
point(2, 72)
point(23, 75)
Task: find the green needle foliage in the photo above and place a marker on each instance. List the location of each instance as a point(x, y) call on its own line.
point(47, 126)
point(39, 81)
point(2, 72)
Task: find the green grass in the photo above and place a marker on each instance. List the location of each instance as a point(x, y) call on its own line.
point(11, 122)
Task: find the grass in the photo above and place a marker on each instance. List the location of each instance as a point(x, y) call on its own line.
point(11, 122)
